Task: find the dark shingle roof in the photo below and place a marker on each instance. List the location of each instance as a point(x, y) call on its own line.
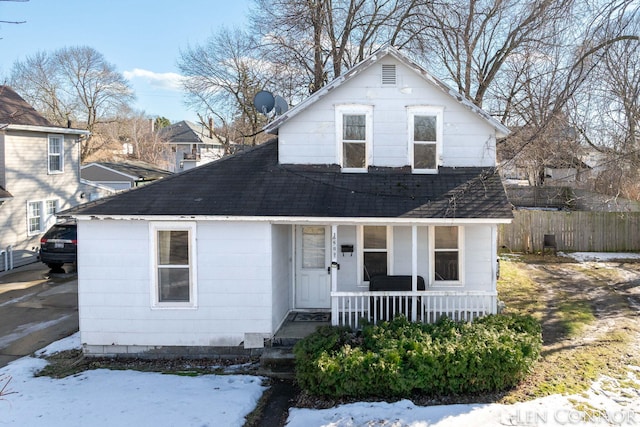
point(254, 184)
point(138, 169)
point(186, 132)
point(16, 111)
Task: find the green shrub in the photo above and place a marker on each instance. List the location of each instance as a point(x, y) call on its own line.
point(399, 358)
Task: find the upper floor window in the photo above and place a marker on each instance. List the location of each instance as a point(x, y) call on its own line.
point(425, 138)
point(354, 128)
point(173, 257)
point(55, 155)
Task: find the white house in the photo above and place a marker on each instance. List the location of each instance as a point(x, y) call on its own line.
point(191, 145)
point(39, 175)
point(379, 196)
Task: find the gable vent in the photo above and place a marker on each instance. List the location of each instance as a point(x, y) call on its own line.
point(388, 74)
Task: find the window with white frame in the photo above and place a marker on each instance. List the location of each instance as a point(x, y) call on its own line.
point(40, 214)
point(51, 207)
point(55, 161)
point(375, 253)
point(173, 246)
point(425, 138)
point(34, 217)
point(447, 259)
point(354, 128)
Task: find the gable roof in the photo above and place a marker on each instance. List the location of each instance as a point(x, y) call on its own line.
point(134, 169)
point(186, 132)
point(14, 110)
point(253, 184)
point(387, 50)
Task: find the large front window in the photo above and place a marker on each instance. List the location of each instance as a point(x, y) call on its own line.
point(446, 254)
point(425, 136)
point(354, 137)
point(374, 251)
point(55, 155)
point(174, 265)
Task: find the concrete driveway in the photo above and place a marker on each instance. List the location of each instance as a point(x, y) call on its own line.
point(37, 307)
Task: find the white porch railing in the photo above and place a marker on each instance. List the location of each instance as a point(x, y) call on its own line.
point(350, 308)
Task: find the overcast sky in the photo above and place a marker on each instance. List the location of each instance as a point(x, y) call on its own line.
point(142, 38)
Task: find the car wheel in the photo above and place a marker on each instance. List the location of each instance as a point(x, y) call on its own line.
point(54, 265)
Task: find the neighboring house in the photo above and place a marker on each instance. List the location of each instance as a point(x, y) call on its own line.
point(383, 179)
point(124, 175)
point(39, 173)
point(191, 145)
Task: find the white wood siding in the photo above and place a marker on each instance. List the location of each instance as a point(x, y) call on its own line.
point(26, 178)
point(477, 255)
point(234, 286)
point(281, 273)
point(310, 137)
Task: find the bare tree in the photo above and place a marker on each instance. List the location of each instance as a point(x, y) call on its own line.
point(73, 84)
point(14, 22)
point(221, 78)
point(321, 38)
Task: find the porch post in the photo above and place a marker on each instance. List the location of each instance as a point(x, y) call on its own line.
point(414, 271)
point(334, 275)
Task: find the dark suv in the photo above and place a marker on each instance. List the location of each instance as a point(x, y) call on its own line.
point(59, 245)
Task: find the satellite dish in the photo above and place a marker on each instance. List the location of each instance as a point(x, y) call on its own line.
point(264, 101)
point(281, 105)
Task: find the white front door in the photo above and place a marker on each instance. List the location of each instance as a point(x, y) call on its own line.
point(313, 282)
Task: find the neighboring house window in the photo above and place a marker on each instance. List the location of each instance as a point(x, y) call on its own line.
point(34, 217)
point(52, 207)
point(447, 257)
point(40, 214)
point(354, 127)
point(374, 252)
point(55, 162)
point(174, 264)
point(425, 138)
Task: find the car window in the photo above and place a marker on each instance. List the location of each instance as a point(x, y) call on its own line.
point(62, 232)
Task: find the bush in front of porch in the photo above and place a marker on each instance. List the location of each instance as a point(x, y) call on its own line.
point(399, 358)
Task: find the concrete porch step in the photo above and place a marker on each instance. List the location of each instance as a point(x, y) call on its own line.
point(277, 362)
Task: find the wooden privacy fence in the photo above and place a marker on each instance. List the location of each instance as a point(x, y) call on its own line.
point(574, 231)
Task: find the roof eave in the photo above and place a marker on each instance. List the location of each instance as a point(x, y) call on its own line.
point(293, 220)
point(48, 129)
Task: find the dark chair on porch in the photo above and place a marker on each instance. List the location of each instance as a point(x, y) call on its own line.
point(386, 308)
point(549, 242)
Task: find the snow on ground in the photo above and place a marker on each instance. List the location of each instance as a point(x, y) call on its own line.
point(108, 398)
point(601, 256)
point(122, 398)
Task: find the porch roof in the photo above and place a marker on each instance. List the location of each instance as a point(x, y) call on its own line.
point(254, 184)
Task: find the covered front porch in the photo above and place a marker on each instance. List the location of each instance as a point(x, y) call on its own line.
point(375, 270)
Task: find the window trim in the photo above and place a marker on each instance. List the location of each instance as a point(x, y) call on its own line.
point(432, 259)
point(50, 154)
point(425, 110)
point(360, 260)
point(40, 229)
point(154, 228)
point(347, 109)
point(45, 217)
